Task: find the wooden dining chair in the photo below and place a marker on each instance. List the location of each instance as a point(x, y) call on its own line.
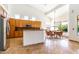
point(50, 34)
point(58, 34)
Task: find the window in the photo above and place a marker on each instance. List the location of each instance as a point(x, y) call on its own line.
point(26, 17)
point(17, 16)
point(62, 25)
point(33, 18)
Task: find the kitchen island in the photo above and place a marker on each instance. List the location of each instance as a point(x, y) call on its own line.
point(32, 35)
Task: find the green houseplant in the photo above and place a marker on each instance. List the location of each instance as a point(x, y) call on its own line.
point(63, 27)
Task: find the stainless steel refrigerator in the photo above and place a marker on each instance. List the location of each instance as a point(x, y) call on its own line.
point(3, 39)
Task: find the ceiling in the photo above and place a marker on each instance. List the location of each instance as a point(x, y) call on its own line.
point(44, 7)
point(60, 14)
point(48, 10)
point(52, 10)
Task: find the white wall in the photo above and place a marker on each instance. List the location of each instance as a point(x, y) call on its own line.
point(73, 12)
point(26, 10)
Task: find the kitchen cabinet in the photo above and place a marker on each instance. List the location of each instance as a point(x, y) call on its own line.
point(12, 27)
point(14, 23)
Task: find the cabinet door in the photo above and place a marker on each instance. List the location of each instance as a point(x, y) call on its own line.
point(36, 24)
point(20, 33)
point(18, 23)
point(21, 25)
point(12, 31)
point(12, 28)
point(16, 34)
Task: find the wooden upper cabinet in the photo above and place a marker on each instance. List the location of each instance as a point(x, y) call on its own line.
point(36, 24)
point(17, 23)
point(23, 23)
point(12, 21)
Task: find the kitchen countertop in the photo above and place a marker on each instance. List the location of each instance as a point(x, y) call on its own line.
point(27, 28)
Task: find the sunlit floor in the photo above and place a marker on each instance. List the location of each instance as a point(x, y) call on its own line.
point(50, 46)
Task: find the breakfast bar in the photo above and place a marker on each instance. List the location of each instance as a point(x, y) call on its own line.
point(32, 35)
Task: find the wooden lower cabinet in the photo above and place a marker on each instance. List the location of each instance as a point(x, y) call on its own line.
point(18, 33)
